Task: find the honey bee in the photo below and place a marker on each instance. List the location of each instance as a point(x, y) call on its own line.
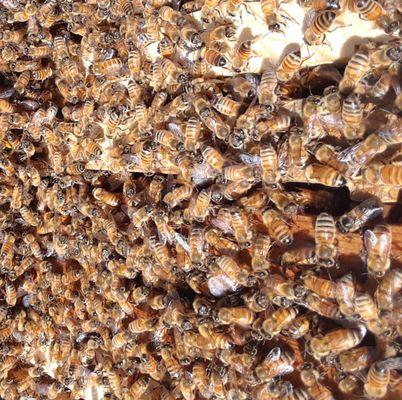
point(321, 306)
point(298, 328)
point(276, 363)
point(277, 227)
point(359, 215)
point(269, 165)
point(319, 25)
point(324, 175)
point(214, 158)
point(140, 386)
point(378, 249)
point(345, 294)
point(105, 197)
point(279, 320)
point(356, 68)
point(356, 359)
point(352, 116)
point(389, 286)
point(225, 105)
point(10, 294)
point(336, 342)
point(235, 315)
point(304, 255)
point(385, 55)
point(316, 390)
point(325, 238)
point(387, 174)
point(283, 201)
point(177, 195)
point(289, 66)
point(326, 154)
point(321, 5)
point(260, 252)
point(241, 229)
point(322, 287)
point(377, 381)
point(267, 89)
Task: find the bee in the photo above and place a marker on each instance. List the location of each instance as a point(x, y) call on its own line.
point(191, 38)
point(345, 294)
point(200, 208)
point(324, 175)
point(326, 154)
point(320, 24)
point(267, 90)
point(321, 5)
point(382, 86)
point(7, 247)
point(377, 381)
point(223, 245)
point(377, 242)
point(256, 301)
point(279, 320)
point(214, 158)
point(322, 287)
point(111, 66)
point(22, 81)
point(106, 197)
point(289, 66)
point(269, 165)
point(387, 174)
point(316, 390)
point(356, 68)
point(260, 252)
point(385, 55)
point(367, 310)
point(192, 134)
point(29, 217)
point(321, 306)
point(298, 328)
point(336, 342)
point(297, 153)
point(277, 227)
point(177, 195)
point(172, 365)
point(10, 294)
point(325, 238)
point(283, 201)
point(141, 325)
point(230, 267)
point(140, 386)
point(356, 218)
point(241, 229)
point(225, 105)
point(42, 74)
point(389, 286)
point(235, 315)
point(276, 363)
point(356, 359)
point(352, 116)
point(304, 255)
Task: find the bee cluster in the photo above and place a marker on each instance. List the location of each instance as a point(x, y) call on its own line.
point(146, 205)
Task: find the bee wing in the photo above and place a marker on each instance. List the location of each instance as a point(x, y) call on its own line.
point(392, 363)
point(273, 355)
point(183, 242)
point(250, 159)
point(221, 284)
point(202, 173)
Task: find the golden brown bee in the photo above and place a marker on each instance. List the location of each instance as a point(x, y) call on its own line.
point(352, 116)
point(139, 387)
point(321, 306)
point(387, 174)
point(177, 195)
point(279, 320)
point(10, 294)
point(260, 252)
point(231, 268)
point(324, 175)
point(289, 66)
point(267, 89)
point(226, 105)
point(326, 154)
point(283, 201)
point(235, 315)
point(336, 342)
point(359, 215)
point(355, 69)
point(276, 363)
point(356, 359)
point(316, 390)
point(377, 381)
point(325, 237)
point(277, 227)
point(378, 249)
point(214, 158)
point(320, 5)
point(298, 328)
point(320, 286)
point(269, 164)
point(389, 286)
point(106, 197)
point(320, 24)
